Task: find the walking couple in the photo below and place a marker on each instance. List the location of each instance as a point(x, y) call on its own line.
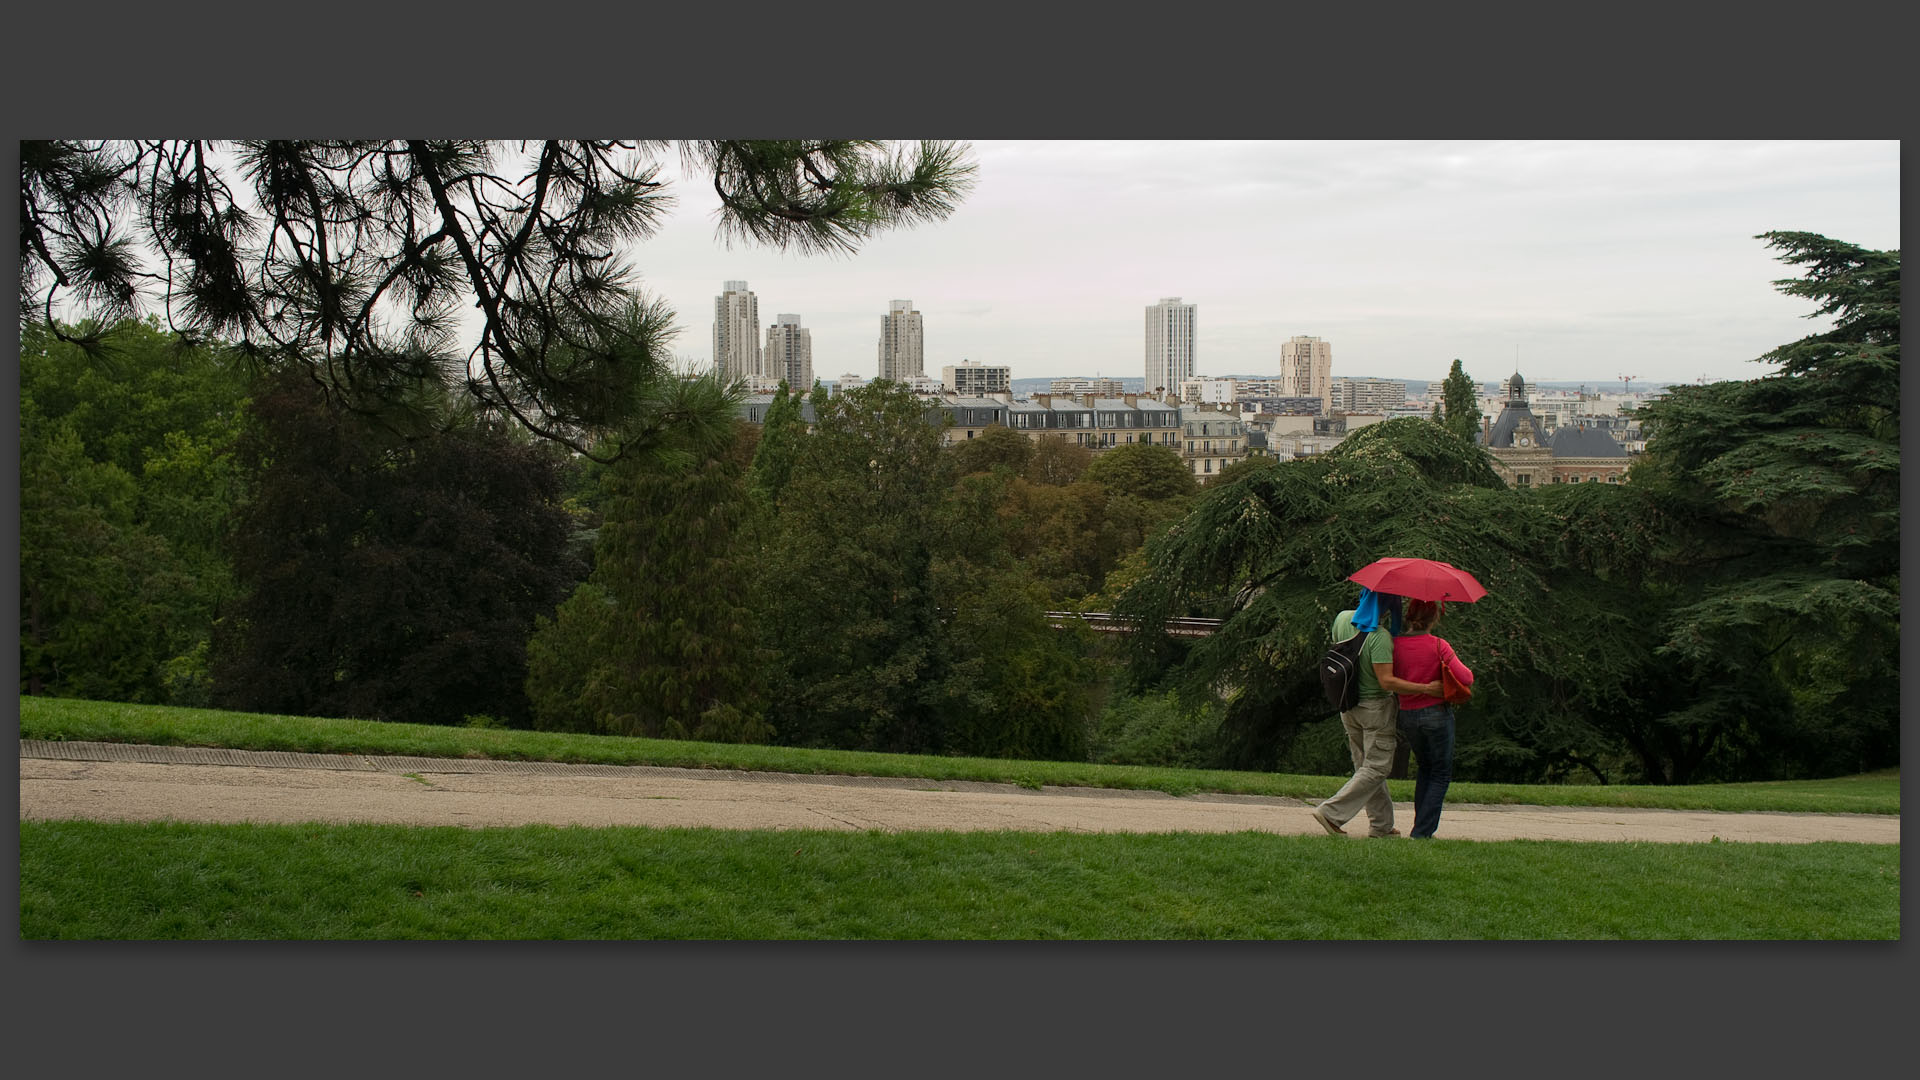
point(1400, 697)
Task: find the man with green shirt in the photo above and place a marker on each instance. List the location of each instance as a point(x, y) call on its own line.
point(1371, 734)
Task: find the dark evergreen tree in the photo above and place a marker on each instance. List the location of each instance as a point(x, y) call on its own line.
point(780, 435)
point(662, 639)
point(1782, 574)
point(1462, 404)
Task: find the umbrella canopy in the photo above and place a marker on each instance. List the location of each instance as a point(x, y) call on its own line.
point(1419, 579)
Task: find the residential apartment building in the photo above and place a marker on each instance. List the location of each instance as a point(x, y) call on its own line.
point(1284, 406)
point(1306, 369)
point(1368, 395)
point(736, 333)
point(789, 352)
point(1210, 391)
point(1169, 346)
point(1095, 387)
point(970, 377)
point(753, 409)
point(1134, 418)
point(1049, 415)
point(1213, 438)
point(1258, 388)
point(902, 343)
point(964, 418)
point(1097, 423)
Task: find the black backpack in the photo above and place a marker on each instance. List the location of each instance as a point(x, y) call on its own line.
point(1340, 672)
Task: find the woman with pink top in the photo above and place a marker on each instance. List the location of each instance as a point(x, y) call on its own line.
point(1425, 721)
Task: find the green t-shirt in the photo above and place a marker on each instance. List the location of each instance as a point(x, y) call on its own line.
point(1378, 650)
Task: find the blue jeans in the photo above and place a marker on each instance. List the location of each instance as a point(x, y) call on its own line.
point(1429, 732)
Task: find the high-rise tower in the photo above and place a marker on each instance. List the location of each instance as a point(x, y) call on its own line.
point(1306, 369)
point(736, 332)
point(1169, 345)
point(789, 353)
point(902, 348)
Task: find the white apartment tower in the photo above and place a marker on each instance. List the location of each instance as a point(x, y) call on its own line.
point(1306, 369)
point(736, 333)
point(971, 378)
point(1169, 345)
point(902, 349)
point(789, 353)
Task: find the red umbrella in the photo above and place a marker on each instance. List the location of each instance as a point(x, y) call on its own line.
point(1419, 579)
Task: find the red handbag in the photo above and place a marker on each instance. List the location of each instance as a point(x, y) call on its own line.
point(1452, 690)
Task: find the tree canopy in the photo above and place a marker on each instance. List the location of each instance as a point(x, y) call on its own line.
point(353, 259)
point(125, 491)
point(387, 578)
point(1732, 612)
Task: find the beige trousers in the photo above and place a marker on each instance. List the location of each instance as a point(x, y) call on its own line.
point(1371, 737)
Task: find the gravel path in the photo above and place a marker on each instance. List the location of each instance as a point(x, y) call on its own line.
point(117, 782)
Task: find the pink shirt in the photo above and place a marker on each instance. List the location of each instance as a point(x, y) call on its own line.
point(1416, 658)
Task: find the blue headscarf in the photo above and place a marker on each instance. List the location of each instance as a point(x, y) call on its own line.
point(1373, 605)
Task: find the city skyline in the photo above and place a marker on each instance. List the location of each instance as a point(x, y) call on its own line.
point(1567, 261)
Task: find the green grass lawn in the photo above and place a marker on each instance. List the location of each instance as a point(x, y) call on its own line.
point(177, 881)
point(68, 719)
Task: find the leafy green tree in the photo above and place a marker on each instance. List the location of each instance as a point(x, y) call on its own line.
point(352, 259)
point(1009, 684)
point(96, 588)
point(386, 578)
point(995, 448)
point(1060, 533)
point(1145, 470)
point(1461, 404)
point(847, 577)
point(1057, 462)
point(661, 639)
point(134, 441)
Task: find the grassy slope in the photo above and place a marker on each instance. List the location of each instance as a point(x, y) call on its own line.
point(152, 881)
point(74, 720)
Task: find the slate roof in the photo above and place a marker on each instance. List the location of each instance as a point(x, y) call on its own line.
point(1500, 435)
point(754, 407)
point(1579, 440)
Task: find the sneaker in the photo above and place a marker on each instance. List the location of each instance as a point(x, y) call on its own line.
point(1327, 825)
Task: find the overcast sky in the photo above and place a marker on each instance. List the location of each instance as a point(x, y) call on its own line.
point(1592, 259)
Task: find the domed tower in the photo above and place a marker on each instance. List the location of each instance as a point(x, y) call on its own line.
point(1516, 421)
point(1517, 440)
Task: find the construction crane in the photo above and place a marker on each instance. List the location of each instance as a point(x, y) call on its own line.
point(1627, 383)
